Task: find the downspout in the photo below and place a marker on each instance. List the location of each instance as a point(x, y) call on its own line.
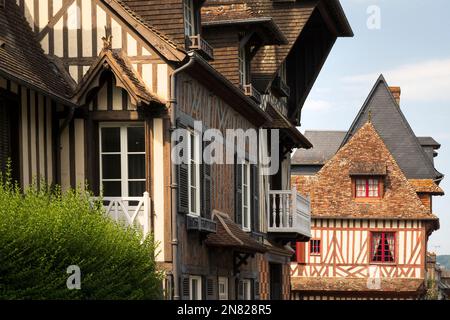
point(173, 180)
point(61, 128)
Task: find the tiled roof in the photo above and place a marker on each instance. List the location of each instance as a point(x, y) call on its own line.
point(429, 141)
point(227, 12)
point(331, 190)
point(165, 17)
point(347, 284)
point(230, 235)
point(325, 144)
point(367, 168)
point(426, 186)
point(22, 57)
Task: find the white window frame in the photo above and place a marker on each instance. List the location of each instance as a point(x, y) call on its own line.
point(246, 289)
point(242, 60)
point(198, 287)
point(192, 134)
point(246, 195)
point(223, 281)
point(123, 153)
point(189, 17)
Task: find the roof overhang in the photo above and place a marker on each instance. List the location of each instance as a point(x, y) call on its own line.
point(265, 27)
point(222, 87)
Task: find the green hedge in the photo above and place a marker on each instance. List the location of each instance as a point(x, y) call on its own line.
point(43, 232)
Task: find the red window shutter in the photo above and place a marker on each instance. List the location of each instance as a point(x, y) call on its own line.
point(300, 251)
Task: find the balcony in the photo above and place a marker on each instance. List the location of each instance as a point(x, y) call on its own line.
point(199, 44)
point(129, 211)
point(289, 217)
point(280, 87)
point(200, 224)
point(251, 92)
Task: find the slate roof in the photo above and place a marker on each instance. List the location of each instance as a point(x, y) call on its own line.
point(350, 284)
point(331, 191)
point(22, 57)
point(230, 235)
point(325, 144)
point(394, 129)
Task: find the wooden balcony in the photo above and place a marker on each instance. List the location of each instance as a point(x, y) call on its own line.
point(250, 91)
point(199, 44)
point(129, 211)
point(289, 217)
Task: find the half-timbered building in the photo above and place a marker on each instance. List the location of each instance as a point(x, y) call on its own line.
point(371, 192)
point(93, 90)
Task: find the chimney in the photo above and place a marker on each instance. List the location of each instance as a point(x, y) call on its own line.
point(396, 91)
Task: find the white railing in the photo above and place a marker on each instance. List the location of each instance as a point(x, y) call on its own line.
point(130, 211)
point(289, 212)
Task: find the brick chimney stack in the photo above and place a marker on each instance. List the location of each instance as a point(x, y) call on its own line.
point(396, 91)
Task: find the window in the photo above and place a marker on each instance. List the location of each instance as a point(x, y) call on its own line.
point(122, 159)
point(223, 288)
point(195, 288)
point(246, 207)
point(189, 18)
point(282, 73)
point(194, 172)
point(367, 188)
point(314, 247)
point(383, 247)
point(242, 58)
point(245, 289)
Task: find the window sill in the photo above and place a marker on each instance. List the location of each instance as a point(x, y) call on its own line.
point(383, 263)
point(367, 200)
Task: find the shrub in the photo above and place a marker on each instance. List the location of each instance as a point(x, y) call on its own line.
point(43, 232)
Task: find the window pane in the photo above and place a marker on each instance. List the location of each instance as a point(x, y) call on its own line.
point(194, 200)
point(193, 174)
point(111, 166)
point(112, 188)
point(136, 188)
point(136, 139)
point(136, 166)
point(110, 139)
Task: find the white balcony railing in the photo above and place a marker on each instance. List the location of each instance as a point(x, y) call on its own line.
point(289, 212)
point(129, 211)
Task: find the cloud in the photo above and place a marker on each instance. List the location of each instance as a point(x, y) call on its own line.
point(422, 81)
point(317, 105)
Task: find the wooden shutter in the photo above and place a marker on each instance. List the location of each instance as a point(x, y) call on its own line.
point(256, 289)
point(206, 184)
point(183, 174)
point(211, 288)
point(255, 197)
point(300, 251)
point(238, 193)
point(240, 290)
point(185, 288)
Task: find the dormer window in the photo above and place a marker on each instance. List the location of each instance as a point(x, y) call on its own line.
point(189, 18)
point(368, 187)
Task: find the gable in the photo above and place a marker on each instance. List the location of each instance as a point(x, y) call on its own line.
point(331, 194)
point(394, 129)
point(72, 30)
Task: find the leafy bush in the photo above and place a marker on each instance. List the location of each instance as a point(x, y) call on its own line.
point(43, 232)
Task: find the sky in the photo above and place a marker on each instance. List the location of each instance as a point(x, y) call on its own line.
point(408, 41)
